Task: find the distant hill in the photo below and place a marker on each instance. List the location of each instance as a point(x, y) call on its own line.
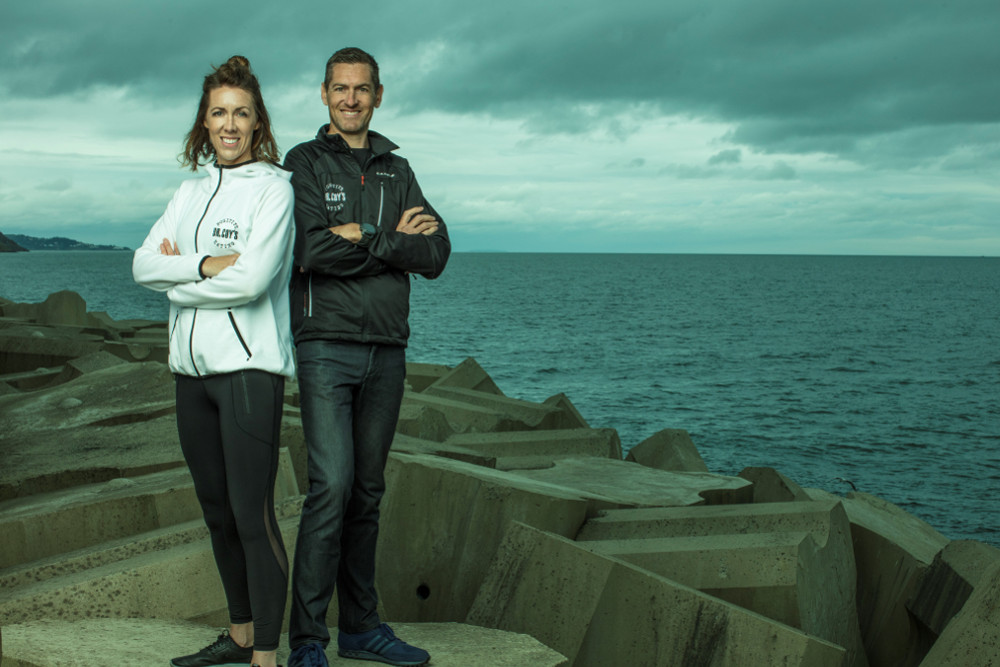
point(57, 243)
point(7, 245)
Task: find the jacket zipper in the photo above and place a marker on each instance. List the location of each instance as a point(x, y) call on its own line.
point(196, 229)
point(246, 349)
point(205, 212)
point(177, 317)
point(309, 296)
point(194, 364)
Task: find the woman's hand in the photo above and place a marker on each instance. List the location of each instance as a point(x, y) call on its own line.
point(168, 248)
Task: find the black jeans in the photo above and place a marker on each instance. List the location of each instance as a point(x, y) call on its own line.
point(350, 398)
point(229, 426)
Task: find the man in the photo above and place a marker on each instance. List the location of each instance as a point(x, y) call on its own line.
point(363, 228)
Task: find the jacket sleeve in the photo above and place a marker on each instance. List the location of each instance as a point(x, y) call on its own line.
point(161, 272)
point(267, 252)
point(316, 248)
point(415, 253)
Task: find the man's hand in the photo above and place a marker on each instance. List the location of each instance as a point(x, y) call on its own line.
point(415, 222)
point(213, 266)
point(349, 232)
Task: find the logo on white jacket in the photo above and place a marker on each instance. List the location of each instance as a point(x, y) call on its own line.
point(335, 197)
point(225, 233)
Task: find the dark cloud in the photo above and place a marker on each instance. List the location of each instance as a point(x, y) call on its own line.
point(730, 156)
point(798, 77)
point(846, 77)
point(781, 171)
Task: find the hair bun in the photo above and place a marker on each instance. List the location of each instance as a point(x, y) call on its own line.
point(238, 61)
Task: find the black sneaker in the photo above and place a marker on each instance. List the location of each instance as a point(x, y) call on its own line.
point(220, 652)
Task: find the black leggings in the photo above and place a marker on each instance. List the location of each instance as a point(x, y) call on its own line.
point(229, 426)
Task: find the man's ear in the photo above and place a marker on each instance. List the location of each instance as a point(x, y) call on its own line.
point(378, 96)
point(322, 94)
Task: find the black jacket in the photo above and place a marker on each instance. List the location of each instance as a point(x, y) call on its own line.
point(342, 291)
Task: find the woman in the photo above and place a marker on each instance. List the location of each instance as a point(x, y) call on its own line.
point(222, 253)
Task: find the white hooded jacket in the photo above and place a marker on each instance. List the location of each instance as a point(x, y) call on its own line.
point(239, 319)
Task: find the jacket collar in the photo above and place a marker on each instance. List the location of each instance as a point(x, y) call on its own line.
point(378, 143)
point(252, 169)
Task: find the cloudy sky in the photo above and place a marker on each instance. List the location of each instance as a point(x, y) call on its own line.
point(730, 126)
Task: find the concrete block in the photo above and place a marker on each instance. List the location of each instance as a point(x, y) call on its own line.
point(953, 576)
point(825, 520)
point(30, 380)
point(973, 636)
point(139, 642)
point(420, 376)
point(468, 375)
point(408, 445)
point(63, 307)
point(551, 444)
point(459, 415)
point(786, 577)
point(669, 449)
point(89, 363)
point(533, 415)
point(114, 329)
point(21, 352)
point(441, 523)
point(43, 525)
point(893, 551)
point(294, 440)
point(571, 416)
point(122, 549)
point(422, 421)
point(830, 585)
point(622, 483)
point(602, 611)
point(177, 583)
point(770, 486)
point(138, 351)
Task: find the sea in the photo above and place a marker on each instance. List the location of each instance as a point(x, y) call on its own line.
point(880, 374)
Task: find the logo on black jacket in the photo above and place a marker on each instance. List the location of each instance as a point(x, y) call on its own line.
point(225, 233)
point(335, 197)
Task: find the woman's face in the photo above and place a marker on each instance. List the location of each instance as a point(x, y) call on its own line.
point(230, 121)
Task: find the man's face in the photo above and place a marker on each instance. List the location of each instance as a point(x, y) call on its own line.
point(351, 98)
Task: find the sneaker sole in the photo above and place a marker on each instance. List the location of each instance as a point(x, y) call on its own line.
point(374, 657)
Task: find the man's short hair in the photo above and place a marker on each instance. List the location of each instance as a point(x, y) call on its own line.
point(351, 56)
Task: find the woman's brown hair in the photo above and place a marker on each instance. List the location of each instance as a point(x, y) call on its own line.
point(236, 73)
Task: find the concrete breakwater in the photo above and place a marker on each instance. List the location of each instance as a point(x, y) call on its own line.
point(513, 533)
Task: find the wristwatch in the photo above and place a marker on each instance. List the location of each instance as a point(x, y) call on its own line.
point(367, 234)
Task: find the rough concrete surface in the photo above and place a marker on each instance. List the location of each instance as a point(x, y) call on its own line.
point(601, 611)
point(486, 494)
point(142, 642)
